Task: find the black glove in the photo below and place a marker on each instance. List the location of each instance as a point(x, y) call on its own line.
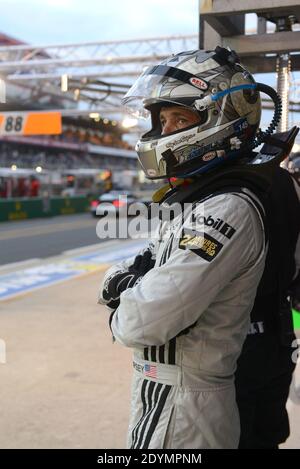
point(121, 280)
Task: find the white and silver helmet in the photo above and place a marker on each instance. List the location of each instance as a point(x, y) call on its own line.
point(215, 85)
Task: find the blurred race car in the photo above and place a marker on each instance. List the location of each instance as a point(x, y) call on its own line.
point(112, 202)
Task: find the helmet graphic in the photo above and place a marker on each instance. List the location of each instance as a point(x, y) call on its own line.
point(217, 87)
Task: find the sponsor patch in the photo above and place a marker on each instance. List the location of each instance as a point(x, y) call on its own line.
point(199, 83)
point(209, 156)
point(240, 125)
point(150, 370)
point(216, 223)
point(146, 369)
point(138, 367)
point(183, 139)
point(256, 328)
point(201, 244)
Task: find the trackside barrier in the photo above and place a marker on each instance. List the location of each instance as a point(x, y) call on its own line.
point(37, 207)
point(68, 205)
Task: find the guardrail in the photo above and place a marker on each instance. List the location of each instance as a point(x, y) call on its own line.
point(37, 207)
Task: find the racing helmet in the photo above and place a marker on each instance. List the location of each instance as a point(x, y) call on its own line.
point(213, 84)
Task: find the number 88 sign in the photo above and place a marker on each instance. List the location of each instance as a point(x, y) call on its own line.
point(30, 123)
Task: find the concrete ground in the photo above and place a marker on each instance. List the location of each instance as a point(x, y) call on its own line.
point(64, 383)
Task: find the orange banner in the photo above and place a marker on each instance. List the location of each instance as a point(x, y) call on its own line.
point(30, 123)
point(43, 124)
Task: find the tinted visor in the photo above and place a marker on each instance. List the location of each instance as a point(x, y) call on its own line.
point(160, 82)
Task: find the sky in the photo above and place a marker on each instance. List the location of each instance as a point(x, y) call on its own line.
point(70, 21)
point(45, 22)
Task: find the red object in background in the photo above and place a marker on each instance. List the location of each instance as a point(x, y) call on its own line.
point(119, 203)
point(22, 189)
point(95, 203)
point(3, 190)
point(34, 188)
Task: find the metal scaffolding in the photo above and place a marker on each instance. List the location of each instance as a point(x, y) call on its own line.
point(97, 74)
point(265, 49)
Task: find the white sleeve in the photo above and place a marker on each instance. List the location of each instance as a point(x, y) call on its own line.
point(173, 296)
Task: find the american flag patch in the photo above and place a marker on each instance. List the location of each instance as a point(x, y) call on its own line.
point(150, 370)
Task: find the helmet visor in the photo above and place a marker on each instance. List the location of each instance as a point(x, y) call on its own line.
point(161, 83)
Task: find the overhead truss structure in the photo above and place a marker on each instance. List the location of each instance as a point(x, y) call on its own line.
point(96, 74)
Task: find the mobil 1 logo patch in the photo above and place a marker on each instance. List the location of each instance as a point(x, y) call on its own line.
point(201, 244)
point(216, 223)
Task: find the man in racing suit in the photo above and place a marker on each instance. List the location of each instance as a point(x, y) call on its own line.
point(186, 317)
point(183, 389)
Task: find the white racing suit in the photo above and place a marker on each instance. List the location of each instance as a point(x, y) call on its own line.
point(203, 283)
